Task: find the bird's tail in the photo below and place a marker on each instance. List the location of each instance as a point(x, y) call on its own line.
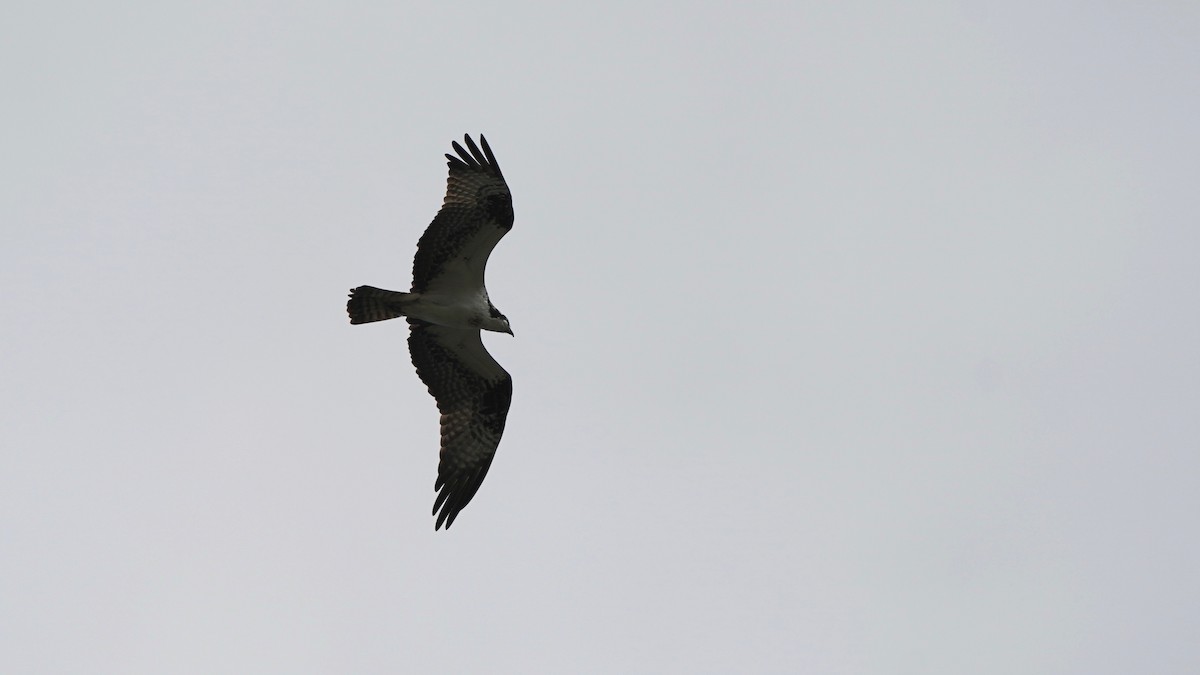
point(368, 304)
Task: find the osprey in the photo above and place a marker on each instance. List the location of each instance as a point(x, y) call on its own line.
point(446, 308)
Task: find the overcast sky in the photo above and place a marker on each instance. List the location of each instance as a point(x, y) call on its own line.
point(849, 339)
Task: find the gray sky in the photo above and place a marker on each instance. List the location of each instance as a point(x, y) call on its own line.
point(850, 339)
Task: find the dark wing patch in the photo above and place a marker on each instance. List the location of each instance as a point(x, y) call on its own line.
point(476, 213)
point(473, 395)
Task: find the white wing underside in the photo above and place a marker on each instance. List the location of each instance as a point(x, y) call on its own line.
point(466, 345)
point(463, 275)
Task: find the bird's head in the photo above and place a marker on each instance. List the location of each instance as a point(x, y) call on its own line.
point(498, 323)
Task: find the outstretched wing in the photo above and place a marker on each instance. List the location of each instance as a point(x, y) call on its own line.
point(477, 212)
point(473, 394)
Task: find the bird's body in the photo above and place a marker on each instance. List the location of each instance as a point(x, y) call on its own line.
point(446, 308)
point(443, 309)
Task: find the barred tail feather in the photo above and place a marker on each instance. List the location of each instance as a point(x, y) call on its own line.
point(368, 304)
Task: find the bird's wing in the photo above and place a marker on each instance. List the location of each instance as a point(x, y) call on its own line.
point(473, 395)
point(476, 213)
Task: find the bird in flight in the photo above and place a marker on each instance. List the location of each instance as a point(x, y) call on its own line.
point(446, 308)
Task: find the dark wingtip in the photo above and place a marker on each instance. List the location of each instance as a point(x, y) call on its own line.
point(464, 158)
point(472, 157)
point(438, 502)
point(444, 517)
point(471, 144)
point(491, 158)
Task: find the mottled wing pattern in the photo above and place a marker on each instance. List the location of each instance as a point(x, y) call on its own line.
point(473, 395)
point(476, 213)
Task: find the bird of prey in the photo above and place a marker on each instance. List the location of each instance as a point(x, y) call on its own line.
point(446, 308)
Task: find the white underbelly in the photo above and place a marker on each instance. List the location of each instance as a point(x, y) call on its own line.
point(452, 312)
